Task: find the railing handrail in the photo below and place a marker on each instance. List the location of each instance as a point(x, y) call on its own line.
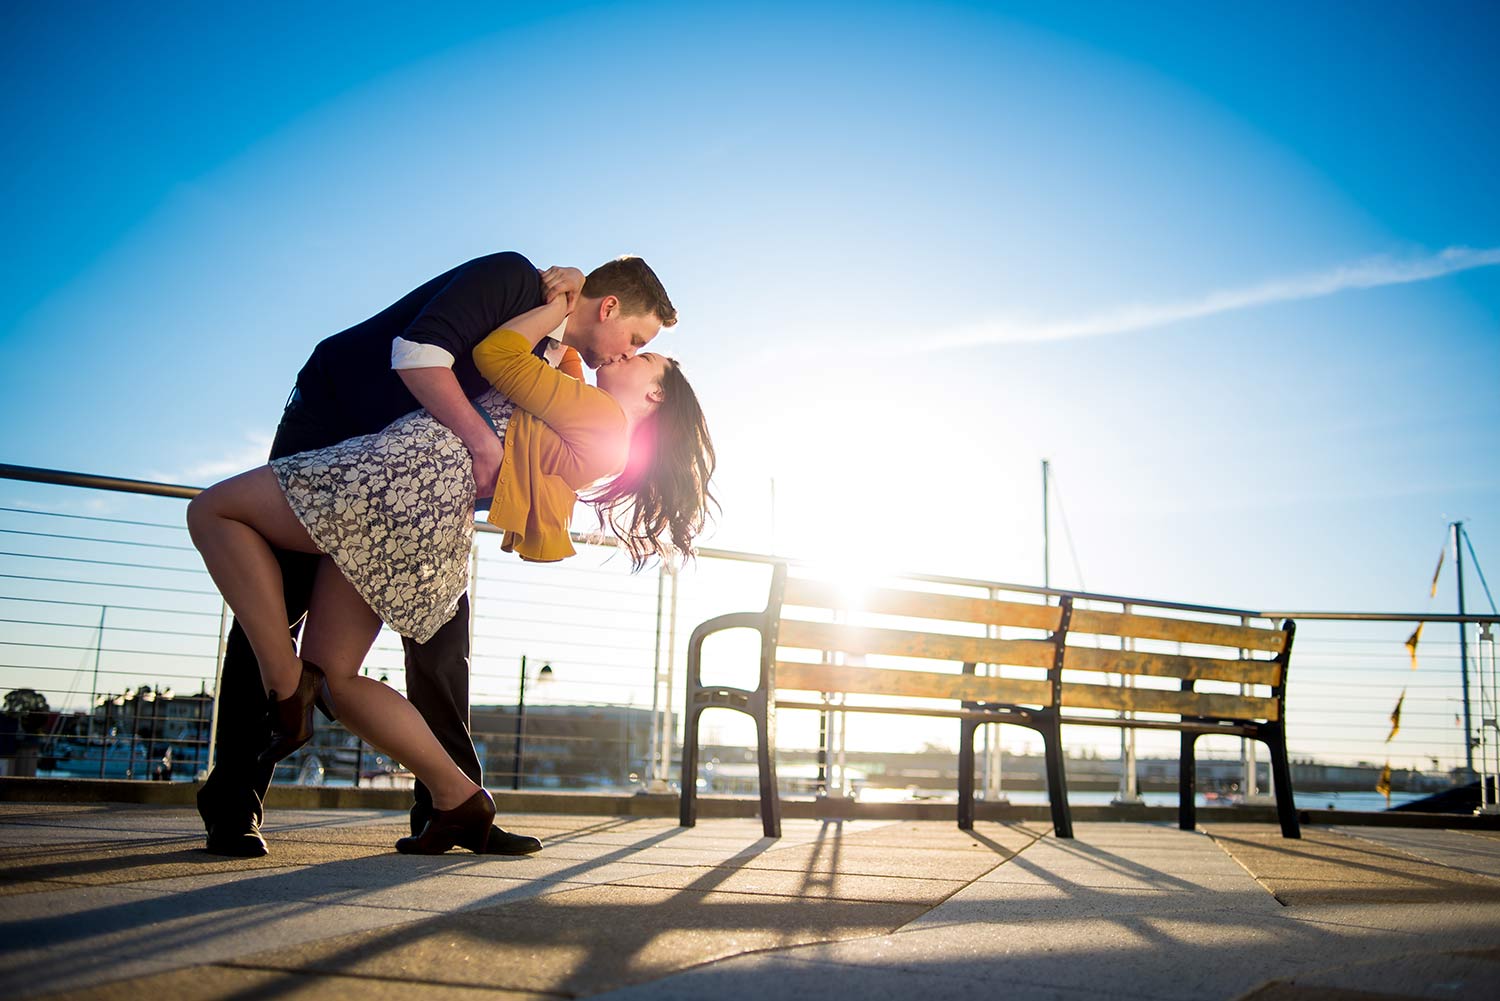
point(57, 477)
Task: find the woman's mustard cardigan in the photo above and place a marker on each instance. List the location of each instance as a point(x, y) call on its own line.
point(563, 436)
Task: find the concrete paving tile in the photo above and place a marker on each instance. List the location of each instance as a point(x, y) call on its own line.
point(1454, 849)
point(212, 983)
point(864, 860)
point(1124, 910)
point(1183, 955)
point(97, 934)
point(1212, 871)
point(438, 885)
point(1001, 838)
point(783, 977)
point(781, 883)
point(37, 835)
point(107, 862)
point(375, 835)
point(699, 837)
point(1111, 882)
point(113, 817)
point(588, 940)
point(29, 886)
point(1462, 976)
point(1205, 857)
point(9, 810)
point(999, 903)
point(1280, 990)
point(663, 855)
point(1448, 924)
point(350, 817)
point(1326, 866)
point(627, 829)
point(548, 867)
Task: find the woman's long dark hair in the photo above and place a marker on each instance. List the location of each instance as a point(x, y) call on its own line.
point(659, 503)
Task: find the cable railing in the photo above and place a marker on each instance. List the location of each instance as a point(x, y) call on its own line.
point(108, 624)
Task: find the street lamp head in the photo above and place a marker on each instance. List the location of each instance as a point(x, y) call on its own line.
point(545, 674)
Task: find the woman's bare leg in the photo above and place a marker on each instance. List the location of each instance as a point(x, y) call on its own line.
point(339, 631)
point(235, 525)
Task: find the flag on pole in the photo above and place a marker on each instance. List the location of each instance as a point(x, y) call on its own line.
point(1383, 784)
point(1411, 644)
point(1439, 571)
point(1396, 718)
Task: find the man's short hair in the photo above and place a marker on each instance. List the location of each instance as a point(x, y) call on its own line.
point(632, 281)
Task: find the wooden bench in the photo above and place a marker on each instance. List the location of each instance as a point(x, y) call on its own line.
point(1081, 661)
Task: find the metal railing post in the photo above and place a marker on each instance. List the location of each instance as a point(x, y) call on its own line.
point(213, 718)
point(1249, 781)
point(656, 779)
point(668, 730)
point(1489, 725)
point(1129, 785)
point(994, 762)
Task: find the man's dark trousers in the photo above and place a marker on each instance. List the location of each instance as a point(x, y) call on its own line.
point(437, 676)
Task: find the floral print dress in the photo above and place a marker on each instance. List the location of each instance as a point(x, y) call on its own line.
point(395, 511)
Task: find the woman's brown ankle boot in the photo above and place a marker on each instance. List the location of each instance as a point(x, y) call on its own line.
point(466, 825)
point(292, 718)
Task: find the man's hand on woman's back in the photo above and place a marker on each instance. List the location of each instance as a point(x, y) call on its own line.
point(487, 456)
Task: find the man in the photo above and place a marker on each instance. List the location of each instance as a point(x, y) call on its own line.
point(415, 353)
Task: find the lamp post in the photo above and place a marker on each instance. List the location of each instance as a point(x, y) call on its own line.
point(102, 702)
point(146, 695)
point(542, 675)
point(110, 701)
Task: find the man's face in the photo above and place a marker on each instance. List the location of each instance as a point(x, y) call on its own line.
point(608, 335)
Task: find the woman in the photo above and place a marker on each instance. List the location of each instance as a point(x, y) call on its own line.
point(393, 515)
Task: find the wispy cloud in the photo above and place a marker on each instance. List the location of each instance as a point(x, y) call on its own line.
point(248, 454)
point(1373, 272)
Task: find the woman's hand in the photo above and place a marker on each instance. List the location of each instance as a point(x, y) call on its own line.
point(567, 282)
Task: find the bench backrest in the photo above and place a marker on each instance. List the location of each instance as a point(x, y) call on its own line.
point(937, 639)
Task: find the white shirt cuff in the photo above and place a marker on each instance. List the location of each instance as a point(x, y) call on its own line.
point(554, 350)
point(410, 354)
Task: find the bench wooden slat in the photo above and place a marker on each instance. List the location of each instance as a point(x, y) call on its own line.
point(923, 605)
point(1156, 700)
point(1161, 665)
point(833, 636)
point(1178, 630)
point(916, 684)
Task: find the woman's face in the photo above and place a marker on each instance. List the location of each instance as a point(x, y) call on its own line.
point(634, 379)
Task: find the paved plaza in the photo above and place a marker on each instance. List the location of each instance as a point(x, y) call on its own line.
point(109, 901)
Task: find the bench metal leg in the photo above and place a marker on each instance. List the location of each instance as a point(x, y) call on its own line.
point(1187, 784)
point(966, 731)
point(1057, 776)
point(770, 795)
point(687, 806)
point(1274, 736)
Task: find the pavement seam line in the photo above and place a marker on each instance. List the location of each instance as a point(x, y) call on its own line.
point(976, 879)
point(1258, 881)
point(1420, 858)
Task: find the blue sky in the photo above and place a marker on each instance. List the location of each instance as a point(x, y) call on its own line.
point(1232, 269)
